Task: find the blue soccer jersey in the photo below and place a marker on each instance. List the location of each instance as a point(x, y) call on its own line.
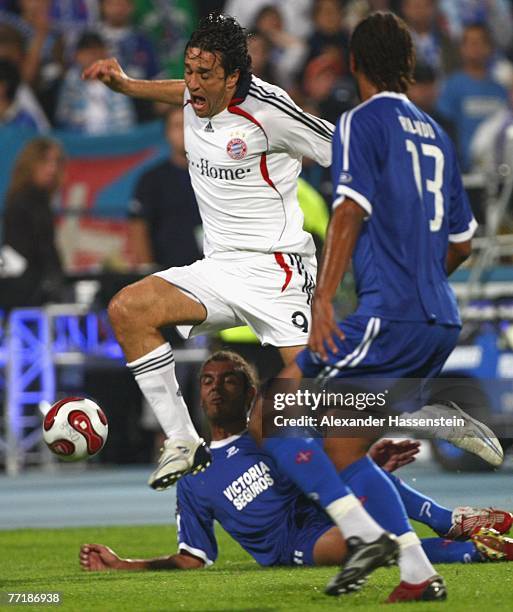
point(401, 168)
point(254, 503)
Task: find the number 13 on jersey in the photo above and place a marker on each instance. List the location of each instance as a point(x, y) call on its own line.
point(434, 185)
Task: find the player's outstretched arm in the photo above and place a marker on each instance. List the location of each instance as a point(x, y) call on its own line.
point(110, 73)
point(99, 558)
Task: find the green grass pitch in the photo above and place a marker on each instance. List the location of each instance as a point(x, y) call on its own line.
point(47, 560)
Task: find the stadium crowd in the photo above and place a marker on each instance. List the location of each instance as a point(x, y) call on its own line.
point(464, 52)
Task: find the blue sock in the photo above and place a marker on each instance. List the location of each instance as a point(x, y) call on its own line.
point(377, 494)
point(421, 508)
point(304, 461)
point(439, 550)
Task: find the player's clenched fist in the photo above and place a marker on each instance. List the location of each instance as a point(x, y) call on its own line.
point(109, 72)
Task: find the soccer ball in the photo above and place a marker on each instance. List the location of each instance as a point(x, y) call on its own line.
point(75, 428)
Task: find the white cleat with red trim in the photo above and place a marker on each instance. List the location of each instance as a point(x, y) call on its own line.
point(466, 520)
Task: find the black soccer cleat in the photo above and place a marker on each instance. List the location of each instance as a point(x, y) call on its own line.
point(362, 559)
point(179, 458)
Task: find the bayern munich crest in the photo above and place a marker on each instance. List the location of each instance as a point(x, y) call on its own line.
point(237, 148)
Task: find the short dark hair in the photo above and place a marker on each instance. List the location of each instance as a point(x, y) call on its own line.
point(223, 34)
point(383, 51)
point(10, 75)
point(241, 365)
point(90, 40)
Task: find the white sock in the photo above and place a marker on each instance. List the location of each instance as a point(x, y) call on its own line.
point(414, 565)
point(352, 519)
point(155, 375)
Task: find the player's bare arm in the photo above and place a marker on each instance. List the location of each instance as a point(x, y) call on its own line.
point(343, 232)
point(457, 253)
point(99, 558)
point(110, 73)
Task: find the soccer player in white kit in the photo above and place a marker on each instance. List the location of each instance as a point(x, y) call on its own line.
point(245, 139)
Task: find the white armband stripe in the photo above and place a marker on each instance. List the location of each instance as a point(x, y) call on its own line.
point(466, 235)
point(343, 190)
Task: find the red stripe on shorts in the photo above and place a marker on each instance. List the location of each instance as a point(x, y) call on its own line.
point(283, 265)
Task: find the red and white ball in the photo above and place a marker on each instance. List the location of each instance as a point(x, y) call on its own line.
point(75, 428)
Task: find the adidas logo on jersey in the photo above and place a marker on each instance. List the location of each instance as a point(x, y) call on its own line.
point(209, 127)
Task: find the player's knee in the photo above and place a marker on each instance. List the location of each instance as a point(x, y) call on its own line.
point(126, 308)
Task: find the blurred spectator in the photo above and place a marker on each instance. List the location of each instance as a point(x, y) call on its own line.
point(495, 15)
point(324, 85)
point(259, 48)
point(130, 46)
point(424, 93)
point(12, 49)
point(165, 225)
point(10, 111)
point(125, 42)
point(470, 96)
point(492, 144)
point(356, 10)
point(287, 50)
point(89, 106)
point(70, 18)
point(433, 46)
point(169, 24)
point(42, 46)
point(328, 31)
point(29, 236)
point(296, 13)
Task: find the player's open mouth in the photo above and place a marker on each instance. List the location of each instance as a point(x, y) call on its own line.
point(199, 103)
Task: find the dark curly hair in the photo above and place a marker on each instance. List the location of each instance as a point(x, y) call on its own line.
point(223, 34)
point(383, 50)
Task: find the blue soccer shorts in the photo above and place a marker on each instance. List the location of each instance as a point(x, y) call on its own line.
point(375, 347)
point(306, 525)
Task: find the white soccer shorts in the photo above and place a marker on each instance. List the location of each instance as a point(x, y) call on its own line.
point(272, 293)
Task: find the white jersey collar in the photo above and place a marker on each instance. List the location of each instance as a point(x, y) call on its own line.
point(225, 441)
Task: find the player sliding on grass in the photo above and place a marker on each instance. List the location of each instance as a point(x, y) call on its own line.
point(268, 516)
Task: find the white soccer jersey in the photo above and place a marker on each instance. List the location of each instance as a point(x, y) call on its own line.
point(244, 163)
